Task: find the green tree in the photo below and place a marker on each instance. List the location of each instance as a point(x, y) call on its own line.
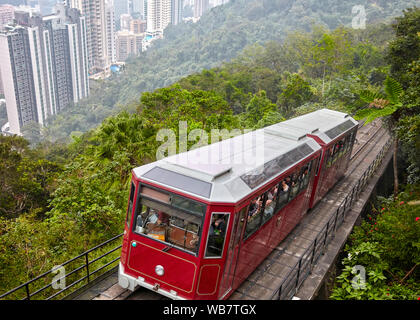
point(295, 92)
point(405, 49)
point(383, 105)
point(259, 107)
point(26, 180)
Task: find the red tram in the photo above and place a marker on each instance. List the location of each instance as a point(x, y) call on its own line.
point(198, 223)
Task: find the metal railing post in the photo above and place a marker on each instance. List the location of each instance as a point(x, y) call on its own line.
point(325, 238)
point(28, 295)
point(87, 266)
point(298, 273)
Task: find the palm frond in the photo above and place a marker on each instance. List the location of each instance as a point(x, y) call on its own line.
point(369, 96)
point(393, 90)
point(371, 114)
point(362, 114)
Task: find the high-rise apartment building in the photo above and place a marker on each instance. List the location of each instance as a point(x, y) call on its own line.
point(128, 44)
point(121, 7)
point(176, 11)
point(137, 6)
point(125, 20)
point(138, 26)
point(214, 3)
point(110, 33)
point(100, 21)
point(43, 65)
point(159, 16)
point(7, 14)
point(200, 6)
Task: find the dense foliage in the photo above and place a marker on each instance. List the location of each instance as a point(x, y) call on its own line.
point(387, 247)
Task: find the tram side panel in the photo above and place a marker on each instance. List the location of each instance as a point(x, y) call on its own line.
point(213, 276)
point(288, 217)
point(334, 163)
point(259, 244)
point(349, 143)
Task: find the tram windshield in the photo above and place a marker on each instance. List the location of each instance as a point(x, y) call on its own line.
point(170, 218)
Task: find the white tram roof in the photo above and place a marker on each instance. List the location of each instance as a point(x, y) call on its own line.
point(325, 124)
point(230, 170)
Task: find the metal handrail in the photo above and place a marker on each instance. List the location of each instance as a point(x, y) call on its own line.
point(283, 292)
point(86, 265)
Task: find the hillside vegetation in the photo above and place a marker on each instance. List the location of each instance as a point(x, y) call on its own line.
point(219, 36)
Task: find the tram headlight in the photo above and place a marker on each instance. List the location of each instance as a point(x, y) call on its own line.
point(160, 271)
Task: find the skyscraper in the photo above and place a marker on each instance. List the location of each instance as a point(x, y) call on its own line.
point(200, 6)
point(158, 16)
point(7, 13)
point(43, 64)
point(128, 44)
point(120, 7)
point(176, 11)
point(100, 21)
point(125, 20)
point(138, 7)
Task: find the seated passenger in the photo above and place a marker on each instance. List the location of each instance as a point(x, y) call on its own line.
point(272, 193)
point(253, 207)
point(220, 225)
point(269, 207)
point(163, 218)
point(285, 186)
point(194, 241)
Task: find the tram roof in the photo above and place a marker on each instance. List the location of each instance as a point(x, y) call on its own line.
point(230, 170)
point(325, 124)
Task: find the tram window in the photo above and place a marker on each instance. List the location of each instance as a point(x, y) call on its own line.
point(341, 147)
point(305, 174)
point(130, 205)
point(330, 153)
point(217, 235)
point(294, 185)
point(254, 216)
point(188, 205)
point(168, 224)
point(270, 203)
point(283, 193)
point(349, 141)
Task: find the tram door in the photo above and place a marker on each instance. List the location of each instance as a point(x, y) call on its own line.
point(232, 253)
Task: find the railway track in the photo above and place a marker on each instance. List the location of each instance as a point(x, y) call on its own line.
point(371, 132)
point(365, 135)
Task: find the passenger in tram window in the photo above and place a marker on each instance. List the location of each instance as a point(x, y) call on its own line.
point(163, 218)
point(220, 225)
point(294, 180)
point(305, 173)
point(270, 203)
point(341, 147)
point(194, 241)
point(253, 207)
point(285, 186)
point(289, 181)
point(330, 154)
point(272, 194)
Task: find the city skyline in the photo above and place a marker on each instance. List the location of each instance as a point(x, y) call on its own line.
point(114, 30)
